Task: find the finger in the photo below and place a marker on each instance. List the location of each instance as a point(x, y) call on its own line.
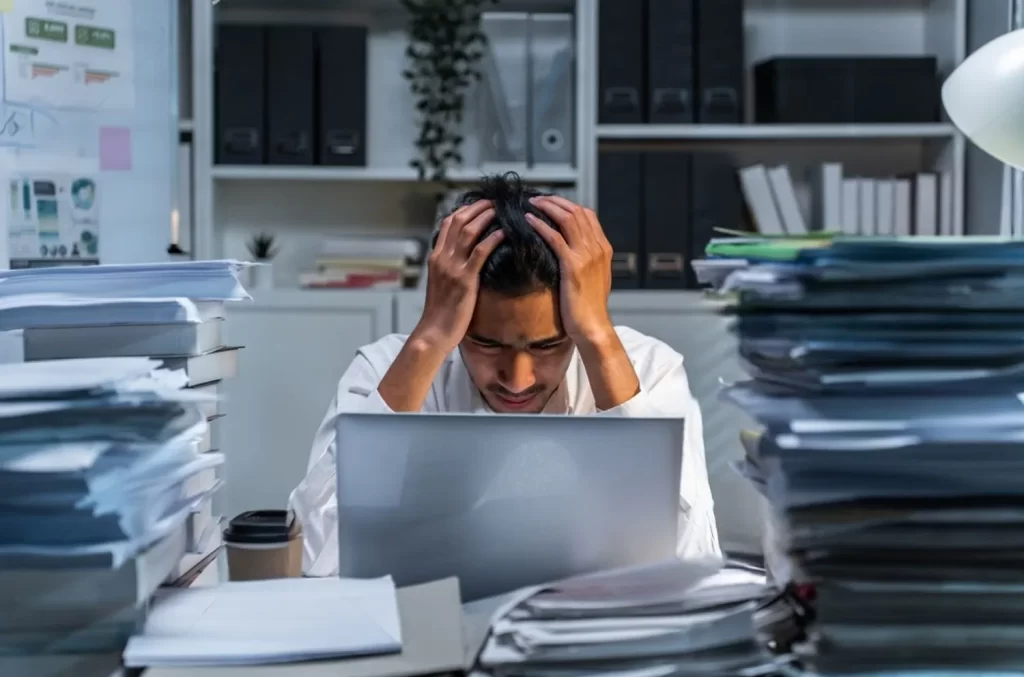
point(442, 232)
point(591, 235)
point(470, 234)
point(484, 249)
point(561, 216)
point(553, 238)
point(595, 226)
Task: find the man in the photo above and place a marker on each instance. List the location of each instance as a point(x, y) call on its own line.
point(515, 320)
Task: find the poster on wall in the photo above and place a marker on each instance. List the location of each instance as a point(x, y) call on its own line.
point(52, 210)
point(66, 54)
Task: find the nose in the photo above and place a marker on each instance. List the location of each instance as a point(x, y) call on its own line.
point(517, 373)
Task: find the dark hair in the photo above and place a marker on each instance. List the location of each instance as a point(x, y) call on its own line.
point(523, 262)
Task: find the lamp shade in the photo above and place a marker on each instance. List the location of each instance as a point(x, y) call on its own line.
point(984, 98)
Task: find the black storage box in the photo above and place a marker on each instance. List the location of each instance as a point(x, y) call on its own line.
point(845, 90)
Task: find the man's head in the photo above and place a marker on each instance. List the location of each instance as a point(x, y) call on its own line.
point(516, 349)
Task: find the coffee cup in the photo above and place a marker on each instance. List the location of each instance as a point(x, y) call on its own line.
point(263, 544)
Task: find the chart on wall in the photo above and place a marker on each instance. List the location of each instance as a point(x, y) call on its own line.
point(70, 55)
point(87, 130)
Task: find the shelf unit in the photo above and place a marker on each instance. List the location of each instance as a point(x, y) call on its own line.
point(385, 196)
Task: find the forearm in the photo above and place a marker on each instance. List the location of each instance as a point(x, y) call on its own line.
point(609, 369)
point(407, 382)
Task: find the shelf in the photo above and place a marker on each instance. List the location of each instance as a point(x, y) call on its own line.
point(185, 126)
point(770, 132)
point(557, 175)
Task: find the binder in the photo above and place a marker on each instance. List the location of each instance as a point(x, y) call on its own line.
point(552, 95)
point(667, 188)
point(720, 61)
point(620, 56)
point(240, 123)
point(717, 203)
point(290, 95)
point(670, 61)
point(341, 90)
point(506, 88)
point(619, 181)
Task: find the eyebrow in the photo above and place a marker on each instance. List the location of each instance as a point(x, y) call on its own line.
point(539, 342)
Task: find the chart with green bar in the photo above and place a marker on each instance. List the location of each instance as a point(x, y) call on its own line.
point(69, 55)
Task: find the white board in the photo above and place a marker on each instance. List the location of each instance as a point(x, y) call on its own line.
point(88, 129)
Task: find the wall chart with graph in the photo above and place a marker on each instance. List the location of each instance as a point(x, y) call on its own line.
point(88, 130)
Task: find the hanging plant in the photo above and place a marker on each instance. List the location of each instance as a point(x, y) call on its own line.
point(444, 52)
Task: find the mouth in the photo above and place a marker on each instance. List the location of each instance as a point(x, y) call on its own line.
point(521, 402)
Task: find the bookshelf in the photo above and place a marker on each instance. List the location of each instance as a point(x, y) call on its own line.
point(224, 196)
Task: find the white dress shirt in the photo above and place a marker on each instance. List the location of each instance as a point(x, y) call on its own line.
point(664, 391)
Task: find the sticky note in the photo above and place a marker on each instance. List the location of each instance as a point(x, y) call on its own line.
point(115, 149)
point(6, 6)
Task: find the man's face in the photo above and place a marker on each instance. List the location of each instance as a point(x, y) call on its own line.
point(516, 350)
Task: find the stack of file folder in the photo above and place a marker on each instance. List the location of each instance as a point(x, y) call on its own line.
point(95, 462)
point(172, 312)
point(674, 618)
point(887, 375)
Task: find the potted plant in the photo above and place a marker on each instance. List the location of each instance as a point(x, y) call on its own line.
point(262, 249)
point(445, 48)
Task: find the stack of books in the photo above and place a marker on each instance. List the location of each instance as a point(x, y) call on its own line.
point(886, 374)
point(840, 202)
point(673, 618)
point(96, 458)
point(172, 313)
point(365, 263)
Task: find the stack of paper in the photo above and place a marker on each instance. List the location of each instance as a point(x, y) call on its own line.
point(887, 375)
point(190, 279)
point(174, 312)
point(275, 621)
point(669, 619)
point(95, 460)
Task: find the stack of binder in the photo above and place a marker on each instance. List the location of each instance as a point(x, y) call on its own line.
point(174, 313)
point(96, 458)
point(887, 376)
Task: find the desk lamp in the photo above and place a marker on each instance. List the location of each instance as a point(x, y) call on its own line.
point(984, 98)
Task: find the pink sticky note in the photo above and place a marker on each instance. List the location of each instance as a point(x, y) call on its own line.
point(115, 149)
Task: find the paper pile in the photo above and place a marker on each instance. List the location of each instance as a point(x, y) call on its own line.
point(95, 456)
point(190, 279)
point(285, 620)
point(887, 374)
point(673, 618)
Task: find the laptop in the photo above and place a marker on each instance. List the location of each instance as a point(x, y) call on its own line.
point(504, 501)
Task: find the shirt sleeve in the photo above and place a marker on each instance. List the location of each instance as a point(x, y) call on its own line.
point(315, 500)
point(665, 391)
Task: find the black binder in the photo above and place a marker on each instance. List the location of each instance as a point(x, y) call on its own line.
point(667, 200)
point(341, 89)
point(720, 62)
point(619, 180)
point(290, 95)
point(670, 61)
point(620, 56)
point(717, 203)
point(240, 63)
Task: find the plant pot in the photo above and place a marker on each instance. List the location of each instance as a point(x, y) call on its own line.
point(261, 275)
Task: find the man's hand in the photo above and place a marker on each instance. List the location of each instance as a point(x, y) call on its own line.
point(585, 265)
point(585, 258)
point(453, 275)
point(453, 281)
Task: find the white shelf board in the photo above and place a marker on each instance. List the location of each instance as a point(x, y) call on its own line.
point(558, 175)
point(773, 132)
